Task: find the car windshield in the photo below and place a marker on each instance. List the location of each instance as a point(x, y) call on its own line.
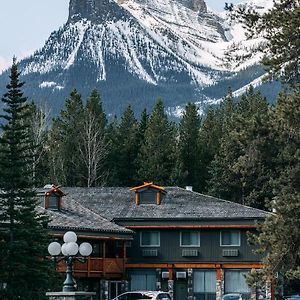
point(133, 296)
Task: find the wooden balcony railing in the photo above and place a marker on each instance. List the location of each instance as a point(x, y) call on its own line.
point(96, 267)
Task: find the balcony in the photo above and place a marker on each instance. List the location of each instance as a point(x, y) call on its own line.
point(96, 267)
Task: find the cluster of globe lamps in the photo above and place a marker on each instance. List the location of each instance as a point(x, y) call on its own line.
point(69, 250)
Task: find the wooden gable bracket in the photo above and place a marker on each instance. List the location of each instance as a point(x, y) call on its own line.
point(148, 185)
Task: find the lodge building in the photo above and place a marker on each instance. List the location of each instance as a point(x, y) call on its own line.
point(153, 238)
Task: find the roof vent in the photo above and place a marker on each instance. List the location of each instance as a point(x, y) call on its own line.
point(48, 186)
point(189, 188)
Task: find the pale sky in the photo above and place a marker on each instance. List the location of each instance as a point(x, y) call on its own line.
point(25, 25)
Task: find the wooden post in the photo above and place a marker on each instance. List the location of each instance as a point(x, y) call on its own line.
point(89, 266)
point(104, 249)
point(124, 250)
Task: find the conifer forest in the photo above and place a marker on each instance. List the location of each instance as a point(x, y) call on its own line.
point(245, 150)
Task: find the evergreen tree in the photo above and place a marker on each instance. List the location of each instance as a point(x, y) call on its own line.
point(65, 139)
point(188, 146)
point(279, 27)
point(127, 148)
point(112, 157)
point(242, 168)
point(156, 159)
point(142, 126)
point(280, 234)
point(208, 145)
point(24, 273)
point(214, 127)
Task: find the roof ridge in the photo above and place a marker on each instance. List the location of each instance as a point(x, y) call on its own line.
point(224, 200)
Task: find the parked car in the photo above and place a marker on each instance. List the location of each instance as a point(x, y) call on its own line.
point(232, 296)
point(141, 295)
point(292, 297)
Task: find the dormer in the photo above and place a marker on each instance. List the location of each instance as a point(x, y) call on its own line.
point(148, 193)
point(53, 197)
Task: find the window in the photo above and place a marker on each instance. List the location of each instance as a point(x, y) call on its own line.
point(147, 197)
point(205, 285)
point(235, 282)
point(53, 201)
point(190, 239)
point(230, 238)
point(150, 239)
point(142, 280)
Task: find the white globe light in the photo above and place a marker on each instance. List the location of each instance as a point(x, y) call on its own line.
point(70, 236)
point(54, 248)
point(71, 248)
point(64, 249)
point(85, 249)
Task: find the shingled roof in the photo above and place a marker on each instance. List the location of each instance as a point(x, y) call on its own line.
point(178, 203)
point(74, 216)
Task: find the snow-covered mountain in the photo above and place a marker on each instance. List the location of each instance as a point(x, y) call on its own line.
point(134, 51)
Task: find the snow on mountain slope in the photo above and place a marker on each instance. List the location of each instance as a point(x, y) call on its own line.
point(143, 49)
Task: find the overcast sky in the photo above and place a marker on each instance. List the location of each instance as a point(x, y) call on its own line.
point(26, 25)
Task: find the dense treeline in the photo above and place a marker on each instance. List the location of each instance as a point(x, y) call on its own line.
point(233, 152)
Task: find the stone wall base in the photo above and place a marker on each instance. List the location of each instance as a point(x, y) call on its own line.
point(70, 295)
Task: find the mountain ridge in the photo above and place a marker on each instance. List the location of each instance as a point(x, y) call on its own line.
point(137, 51)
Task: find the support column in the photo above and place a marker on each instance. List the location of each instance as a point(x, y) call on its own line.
point(171, 283)
point(220, 284)
point(104, 289)
point(190, 290)
point(269, 289)
point(158, 279)
point(124, 286)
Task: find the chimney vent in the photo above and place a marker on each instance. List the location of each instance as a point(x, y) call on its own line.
point(189, 188)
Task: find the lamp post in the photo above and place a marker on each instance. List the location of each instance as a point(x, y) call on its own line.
point(70, 251)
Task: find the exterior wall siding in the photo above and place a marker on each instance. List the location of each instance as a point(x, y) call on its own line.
point(210, 250)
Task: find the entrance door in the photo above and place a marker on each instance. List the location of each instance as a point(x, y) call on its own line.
point(180, 292)
point(114, 289)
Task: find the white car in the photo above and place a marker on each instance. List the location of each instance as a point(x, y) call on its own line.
point(141, 295)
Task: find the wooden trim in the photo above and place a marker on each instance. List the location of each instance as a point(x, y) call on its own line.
point(147, 185)
point(151, 266)
point(195, 266)
point(243, 266)
point(170, 274)
point(92, 237)
point(137, 198)
point(219, 274)
point(104, 249)
point(158, 198)
point(124, 250)
point(191, 226)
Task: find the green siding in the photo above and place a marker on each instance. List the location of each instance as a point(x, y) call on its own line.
point(210, 250)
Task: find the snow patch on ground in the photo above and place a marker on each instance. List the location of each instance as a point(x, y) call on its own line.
point(50, 84)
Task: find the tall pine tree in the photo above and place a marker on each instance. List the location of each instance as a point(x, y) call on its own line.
point(65, 138)
point(157, 154)
point(24, 273)
point(188, 151)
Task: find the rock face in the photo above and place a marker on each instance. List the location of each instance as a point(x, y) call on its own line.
point(93, 10)
point(135, 51)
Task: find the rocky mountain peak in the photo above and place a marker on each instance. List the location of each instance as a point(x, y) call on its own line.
point(196, 5)
point(93, 10)
point(102, 10)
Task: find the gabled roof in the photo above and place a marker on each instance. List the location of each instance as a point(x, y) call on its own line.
point(148, 185)
point(178, 204)
point(53, 189)
point(74, 216)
